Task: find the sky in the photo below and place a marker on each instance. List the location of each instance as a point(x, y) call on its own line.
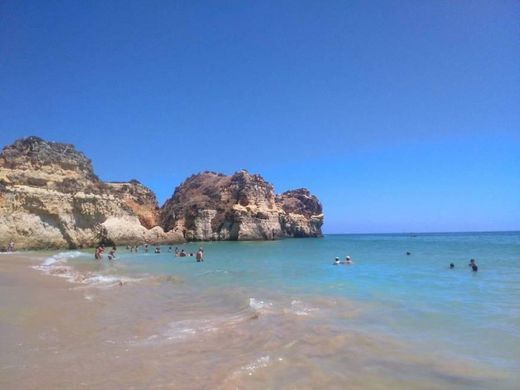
point(401, 116)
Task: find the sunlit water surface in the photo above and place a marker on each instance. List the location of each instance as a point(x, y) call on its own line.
point(279, 313)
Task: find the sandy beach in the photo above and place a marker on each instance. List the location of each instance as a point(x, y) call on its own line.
point(86, 331)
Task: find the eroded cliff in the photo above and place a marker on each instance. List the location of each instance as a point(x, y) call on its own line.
point(51, 198)
point(212, 206)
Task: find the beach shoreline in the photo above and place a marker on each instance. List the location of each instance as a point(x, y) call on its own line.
point(70, 324)
point(31, 303)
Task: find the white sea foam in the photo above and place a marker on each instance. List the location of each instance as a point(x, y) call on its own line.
point(102, 279)
point(260, 305)
point(56, 265)
point(178, 331)
point(61, 257)
point(261, 362)
point(301, 309)
point(185, 328)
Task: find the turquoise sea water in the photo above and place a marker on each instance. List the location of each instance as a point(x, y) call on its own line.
point(413, 300)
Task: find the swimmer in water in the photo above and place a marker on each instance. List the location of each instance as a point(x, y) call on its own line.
point(473, 265)
point(348, 260)
point(182, 253)
point(452, 265)
point(112, 254)
point(99, 252)
point(336, 261)
point(408, 253)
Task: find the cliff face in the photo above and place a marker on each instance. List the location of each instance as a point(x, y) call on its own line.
point(50, 197)
point(303, 213)
point(140, 199)
point(211, 206)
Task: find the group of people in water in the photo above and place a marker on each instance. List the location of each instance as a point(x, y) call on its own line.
point(472, 263)
point(178, 252)
point(100, 250)
point(347, 261)
point(199, 255)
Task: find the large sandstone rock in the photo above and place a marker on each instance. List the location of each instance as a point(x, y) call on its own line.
point(303, 214)
point(51, 198)
point(212, 206)
point(140, 199)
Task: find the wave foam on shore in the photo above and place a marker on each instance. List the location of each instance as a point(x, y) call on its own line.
point(56, 265)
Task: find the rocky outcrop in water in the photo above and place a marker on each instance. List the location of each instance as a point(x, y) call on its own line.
point(213, 206)
point(51, 198)
point(302, 213)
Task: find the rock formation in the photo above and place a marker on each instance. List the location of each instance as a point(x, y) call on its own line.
point(302, 213)
point(51, 198)
point(212, 206)
point(140, 199)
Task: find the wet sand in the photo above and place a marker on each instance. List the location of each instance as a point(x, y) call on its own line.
point(160, 334)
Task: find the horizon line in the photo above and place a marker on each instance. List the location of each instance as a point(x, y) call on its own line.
point(423, 233)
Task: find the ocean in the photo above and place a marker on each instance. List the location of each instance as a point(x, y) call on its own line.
point(279, 314)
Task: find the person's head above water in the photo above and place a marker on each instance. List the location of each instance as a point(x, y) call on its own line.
point(452, 265)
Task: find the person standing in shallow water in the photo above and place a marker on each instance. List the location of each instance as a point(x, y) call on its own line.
point(99, 252)
point(473, 265)
point(112, 254)
point(200, 255)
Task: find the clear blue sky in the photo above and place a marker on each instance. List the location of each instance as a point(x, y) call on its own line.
point(399, 115)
